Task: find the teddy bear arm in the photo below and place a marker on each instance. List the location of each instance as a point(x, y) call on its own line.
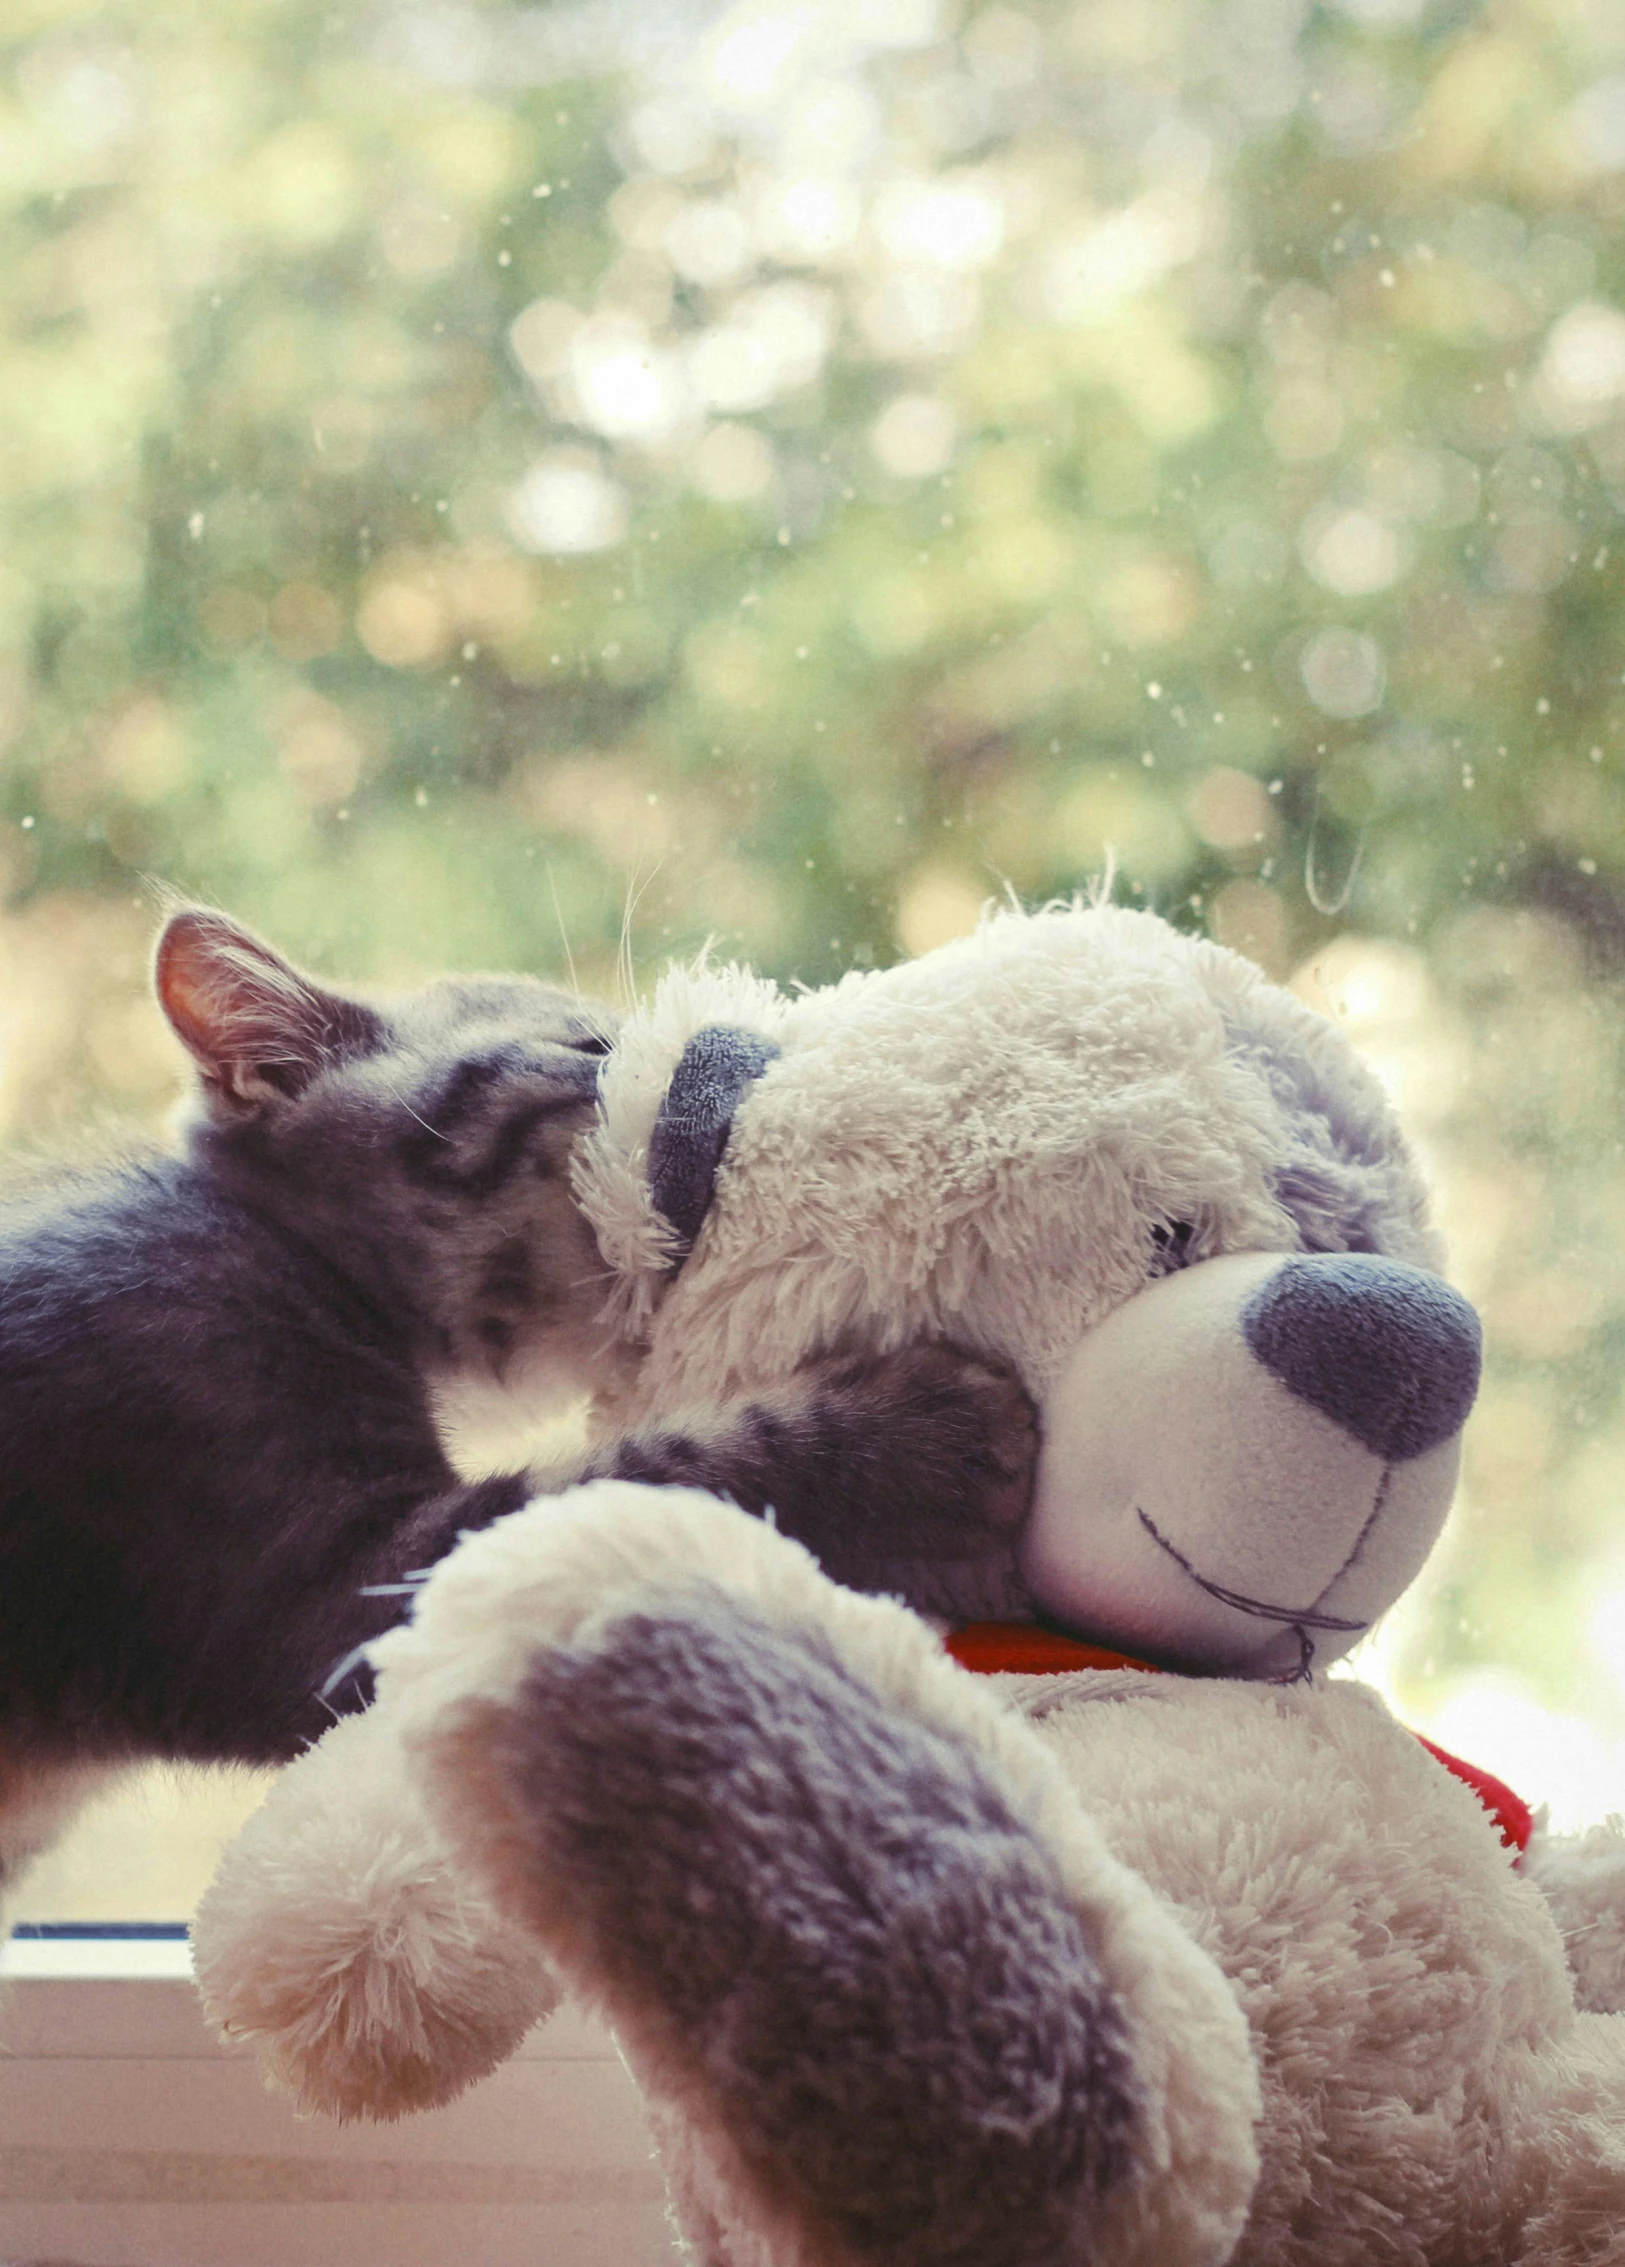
point(821, 1933)
point(1582, 1877)
point(339, 1940)
point(859, 1937)
point(897, 1470)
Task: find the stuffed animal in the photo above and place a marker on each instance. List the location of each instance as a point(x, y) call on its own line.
point(1101, 1966)
point(922, 1969)
point(1001, 1144)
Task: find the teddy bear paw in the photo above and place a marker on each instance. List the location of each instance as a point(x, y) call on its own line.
point(340, 1943)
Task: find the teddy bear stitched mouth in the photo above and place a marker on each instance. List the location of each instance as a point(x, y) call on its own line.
point(1303, 1619)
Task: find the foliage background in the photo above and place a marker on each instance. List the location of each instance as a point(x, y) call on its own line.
point(496, 484)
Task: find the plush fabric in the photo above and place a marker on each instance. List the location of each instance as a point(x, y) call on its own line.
point(1211, 1509)
point(342, 1873)
point(1090, 1969)
point(1006, 1144)
point(994, 1648)
point(696, 1117)
point(466, 1661)
point(982, 1143)
point(1391, 1354)
point(985, 1971)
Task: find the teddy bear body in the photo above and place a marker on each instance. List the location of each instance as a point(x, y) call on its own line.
point(1103, 1969)
point(1429, 2092)
point(921, 1969)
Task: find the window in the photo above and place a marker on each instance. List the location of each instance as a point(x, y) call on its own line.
point(531, 485)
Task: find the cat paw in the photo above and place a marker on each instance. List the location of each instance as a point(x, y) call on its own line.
point(979, 1427)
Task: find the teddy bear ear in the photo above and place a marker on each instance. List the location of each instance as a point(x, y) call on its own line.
point(718, 1066)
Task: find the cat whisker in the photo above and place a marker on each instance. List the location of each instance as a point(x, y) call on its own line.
point(564, 936)
point(355, 1659)
point(411, 1113)
point(623, 949)
point(635, 891)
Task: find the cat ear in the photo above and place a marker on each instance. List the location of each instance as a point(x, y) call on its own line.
point(257, 1029)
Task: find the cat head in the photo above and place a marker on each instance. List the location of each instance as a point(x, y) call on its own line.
point(423, 1141)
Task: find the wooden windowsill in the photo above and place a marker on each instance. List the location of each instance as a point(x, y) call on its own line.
point(129, 2138)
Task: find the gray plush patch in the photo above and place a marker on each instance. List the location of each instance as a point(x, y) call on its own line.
point(1345, 1174)
point(846, 1939)
point(691, 1132)
point(1389, 1353)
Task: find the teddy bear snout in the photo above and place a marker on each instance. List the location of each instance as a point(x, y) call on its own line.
point(1248, 1450)
point(1389, 1352)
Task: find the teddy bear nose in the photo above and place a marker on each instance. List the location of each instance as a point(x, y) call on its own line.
point(1388, 1352)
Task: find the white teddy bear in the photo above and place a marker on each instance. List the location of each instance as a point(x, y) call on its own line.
point(1023, 1971)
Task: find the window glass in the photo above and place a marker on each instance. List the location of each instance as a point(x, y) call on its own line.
point(546, 485)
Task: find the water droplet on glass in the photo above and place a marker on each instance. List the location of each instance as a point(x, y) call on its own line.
point(1325, 894)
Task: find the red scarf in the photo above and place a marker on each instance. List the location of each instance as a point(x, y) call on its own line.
point(987, 1647)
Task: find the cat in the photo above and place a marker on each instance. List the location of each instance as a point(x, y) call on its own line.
point(219, 1462)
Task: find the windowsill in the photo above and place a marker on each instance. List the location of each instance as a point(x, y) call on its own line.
point(94, 1953)
point(128, 2134)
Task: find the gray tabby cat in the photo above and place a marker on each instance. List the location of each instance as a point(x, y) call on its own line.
point(219, 1465)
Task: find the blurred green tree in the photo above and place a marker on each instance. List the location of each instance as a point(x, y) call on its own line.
point(484, 482)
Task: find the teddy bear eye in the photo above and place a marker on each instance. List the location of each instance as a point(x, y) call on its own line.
point(1173, 1240)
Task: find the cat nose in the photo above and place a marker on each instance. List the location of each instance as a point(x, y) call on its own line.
point(1388, 1352)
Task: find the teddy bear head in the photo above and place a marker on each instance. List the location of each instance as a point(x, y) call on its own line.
point(999, 1142)
point(1035, 1142)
